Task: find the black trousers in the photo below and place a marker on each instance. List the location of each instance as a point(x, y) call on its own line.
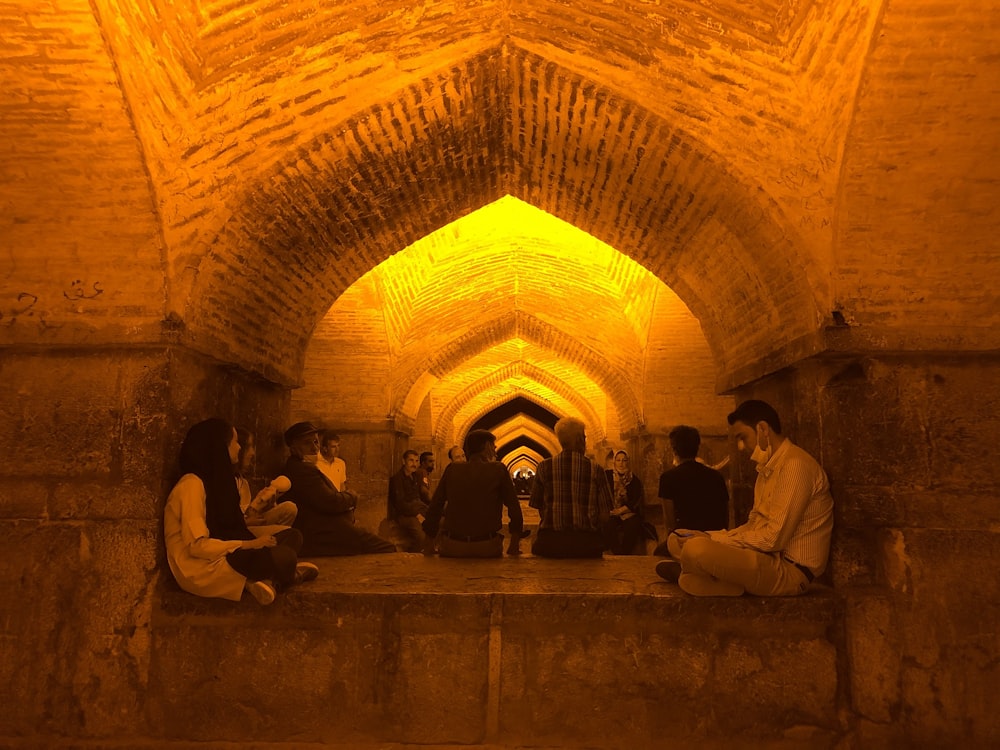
point(344, 538)
point(276, 563)
point(563, 544)
point(622, 536)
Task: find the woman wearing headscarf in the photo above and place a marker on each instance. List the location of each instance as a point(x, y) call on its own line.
point(210, 550)
point(626, 525)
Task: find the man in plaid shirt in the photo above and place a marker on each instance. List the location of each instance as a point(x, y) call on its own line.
point(572, 496)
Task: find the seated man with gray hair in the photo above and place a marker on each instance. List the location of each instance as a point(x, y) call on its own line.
point(471, 497)
point(572, 496)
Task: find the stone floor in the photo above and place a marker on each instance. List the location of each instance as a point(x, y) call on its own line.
point(414, 573)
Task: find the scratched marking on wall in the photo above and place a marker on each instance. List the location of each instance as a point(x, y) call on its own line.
point(78, 291)
point(24, 302)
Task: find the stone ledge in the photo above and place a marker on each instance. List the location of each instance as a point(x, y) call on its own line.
point(411, 576)
point(517, 652)
point(624, 586)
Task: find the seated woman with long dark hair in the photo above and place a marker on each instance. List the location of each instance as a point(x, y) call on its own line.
point(210, 550)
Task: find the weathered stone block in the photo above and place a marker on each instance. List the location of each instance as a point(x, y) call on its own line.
point(392, 667)
point(794, 679)
point(964, 421)
point(101, 500)
point(853, 560)
point(947, 632)
point(57, 406)
point(76, 662)
point(874, 654)
point(657, 667)
point(23, 498)
point(875, 426)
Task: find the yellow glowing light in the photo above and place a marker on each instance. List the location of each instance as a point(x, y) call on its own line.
point(508, 300)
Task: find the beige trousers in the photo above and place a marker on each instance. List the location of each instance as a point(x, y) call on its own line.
point(709, 568)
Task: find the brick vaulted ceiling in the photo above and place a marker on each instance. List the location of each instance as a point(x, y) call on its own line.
point(293, 146)
point(286, 149)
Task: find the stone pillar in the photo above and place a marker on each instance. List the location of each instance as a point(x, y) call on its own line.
point(91, 439)
point(908, 441)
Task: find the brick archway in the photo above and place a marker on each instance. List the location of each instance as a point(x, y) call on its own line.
point(506, 383)
point(521, 326)
point(335, 207)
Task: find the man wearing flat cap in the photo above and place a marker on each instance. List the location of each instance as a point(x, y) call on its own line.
point(326, 515)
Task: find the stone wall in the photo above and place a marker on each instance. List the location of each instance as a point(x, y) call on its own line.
point(513, 653)
point(906, 441)
point(91, 439)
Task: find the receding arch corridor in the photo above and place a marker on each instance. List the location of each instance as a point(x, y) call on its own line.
point(396, 218)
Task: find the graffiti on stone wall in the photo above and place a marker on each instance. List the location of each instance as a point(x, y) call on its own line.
point(23, 306)
point(26, 305)
point(77, 290)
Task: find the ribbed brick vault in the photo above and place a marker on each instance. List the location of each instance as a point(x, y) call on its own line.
point(256, 159)
point(359, 192)
point(312, 152)
point(504, 303)
point(293, 147)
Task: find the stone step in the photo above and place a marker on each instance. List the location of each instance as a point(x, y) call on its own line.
point(522, 652)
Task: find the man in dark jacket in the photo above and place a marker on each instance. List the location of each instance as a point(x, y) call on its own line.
point(407, 501)
point(326, 516)
point(469, 501)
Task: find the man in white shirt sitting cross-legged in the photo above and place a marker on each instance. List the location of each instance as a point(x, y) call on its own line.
point(785, 542)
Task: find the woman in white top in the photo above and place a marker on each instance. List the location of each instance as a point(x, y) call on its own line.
point(210, 550)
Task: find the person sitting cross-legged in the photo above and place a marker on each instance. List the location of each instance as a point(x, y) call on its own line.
point(694, 496)
point(262, 512)
point(467, 507)
point(785, 542)
point(572, 497)
point(626, 529)
point(407, 500)
point(210, 550)
point(326, 516)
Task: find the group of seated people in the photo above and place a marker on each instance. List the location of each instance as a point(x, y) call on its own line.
point(220, 541)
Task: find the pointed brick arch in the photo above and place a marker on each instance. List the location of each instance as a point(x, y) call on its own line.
point(486, 401)
point(523, 426)
point(519, 324)
point(444, 423)
point(455, 141)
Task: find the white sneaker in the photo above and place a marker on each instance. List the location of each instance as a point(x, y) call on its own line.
point(261, 591)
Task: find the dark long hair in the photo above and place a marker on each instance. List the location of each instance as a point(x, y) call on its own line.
point(205, 453)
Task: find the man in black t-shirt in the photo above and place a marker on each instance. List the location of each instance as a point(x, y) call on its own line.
point(694, 495)
point(467, 507)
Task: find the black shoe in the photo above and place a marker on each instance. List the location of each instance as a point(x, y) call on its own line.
point(669, 570)
point(306, 571)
